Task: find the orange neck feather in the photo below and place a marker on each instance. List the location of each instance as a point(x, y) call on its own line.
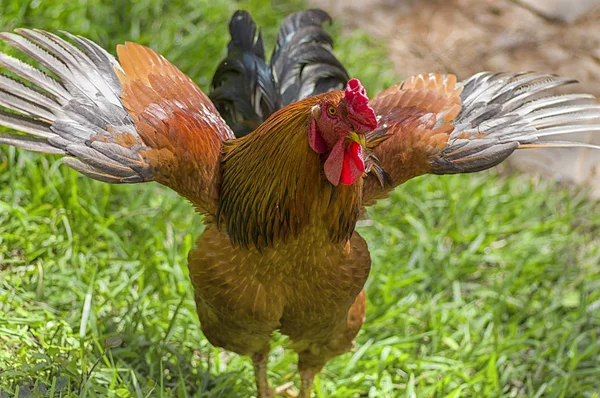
point(273, 185)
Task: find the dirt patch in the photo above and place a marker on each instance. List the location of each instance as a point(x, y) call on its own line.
point(468, 36)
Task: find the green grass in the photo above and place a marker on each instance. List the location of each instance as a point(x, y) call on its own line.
point(482, 286)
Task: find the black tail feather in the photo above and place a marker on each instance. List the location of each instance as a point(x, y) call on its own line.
point(243, 89)
point(303, 63)
point(246, 90)
point(244, 35)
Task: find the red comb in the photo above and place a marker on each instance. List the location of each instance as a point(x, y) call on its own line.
point(358, 107)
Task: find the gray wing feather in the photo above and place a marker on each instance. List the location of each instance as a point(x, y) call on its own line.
point(96, 173)
point(25, 125)
point(34, 76)
point(24, 107)
point(30, 143)
point(502, 112)
point(77, 114)
point(14, 87)
point(43, 57)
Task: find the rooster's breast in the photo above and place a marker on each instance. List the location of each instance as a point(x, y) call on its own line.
point(304, 286)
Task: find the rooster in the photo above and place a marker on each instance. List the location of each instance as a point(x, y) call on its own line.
point(279, 250)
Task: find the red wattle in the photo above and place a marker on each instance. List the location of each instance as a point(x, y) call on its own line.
point(355, 152)
point(353, 165)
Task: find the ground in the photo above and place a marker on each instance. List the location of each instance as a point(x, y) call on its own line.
point(482, 285)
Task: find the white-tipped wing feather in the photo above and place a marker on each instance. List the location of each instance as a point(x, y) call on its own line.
point(141, 122)
point(434, 125)
point(516, 107)
point(66, 114)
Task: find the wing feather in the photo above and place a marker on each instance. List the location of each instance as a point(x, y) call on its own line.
point(138, 120)
point(436, 125)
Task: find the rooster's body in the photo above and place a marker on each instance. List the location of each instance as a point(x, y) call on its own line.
point(306, 271)
point(281, 203)
point(303, 288)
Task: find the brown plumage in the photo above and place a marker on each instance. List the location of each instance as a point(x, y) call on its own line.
point(409, 116)
point(177, 121)
point(275, 203)
point(279, 249)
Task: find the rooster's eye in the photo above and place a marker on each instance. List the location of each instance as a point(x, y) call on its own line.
point(331, 110)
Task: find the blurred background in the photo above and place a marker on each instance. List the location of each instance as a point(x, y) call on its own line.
point(469, 36)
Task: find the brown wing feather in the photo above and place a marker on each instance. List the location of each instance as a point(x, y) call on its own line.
point(437, 126)
point(417, 116)
point(177, 121)
point(137, 121)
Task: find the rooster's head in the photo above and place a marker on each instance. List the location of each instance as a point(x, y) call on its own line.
point(337, 130)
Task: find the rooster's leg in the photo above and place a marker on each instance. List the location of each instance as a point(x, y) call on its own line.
point(262, 382)
point(307, 377)
point(340, 340)
point(259, 361)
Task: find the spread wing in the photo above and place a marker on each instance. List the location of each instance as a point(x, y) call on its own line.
point(136, 120)
point(431, 124)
